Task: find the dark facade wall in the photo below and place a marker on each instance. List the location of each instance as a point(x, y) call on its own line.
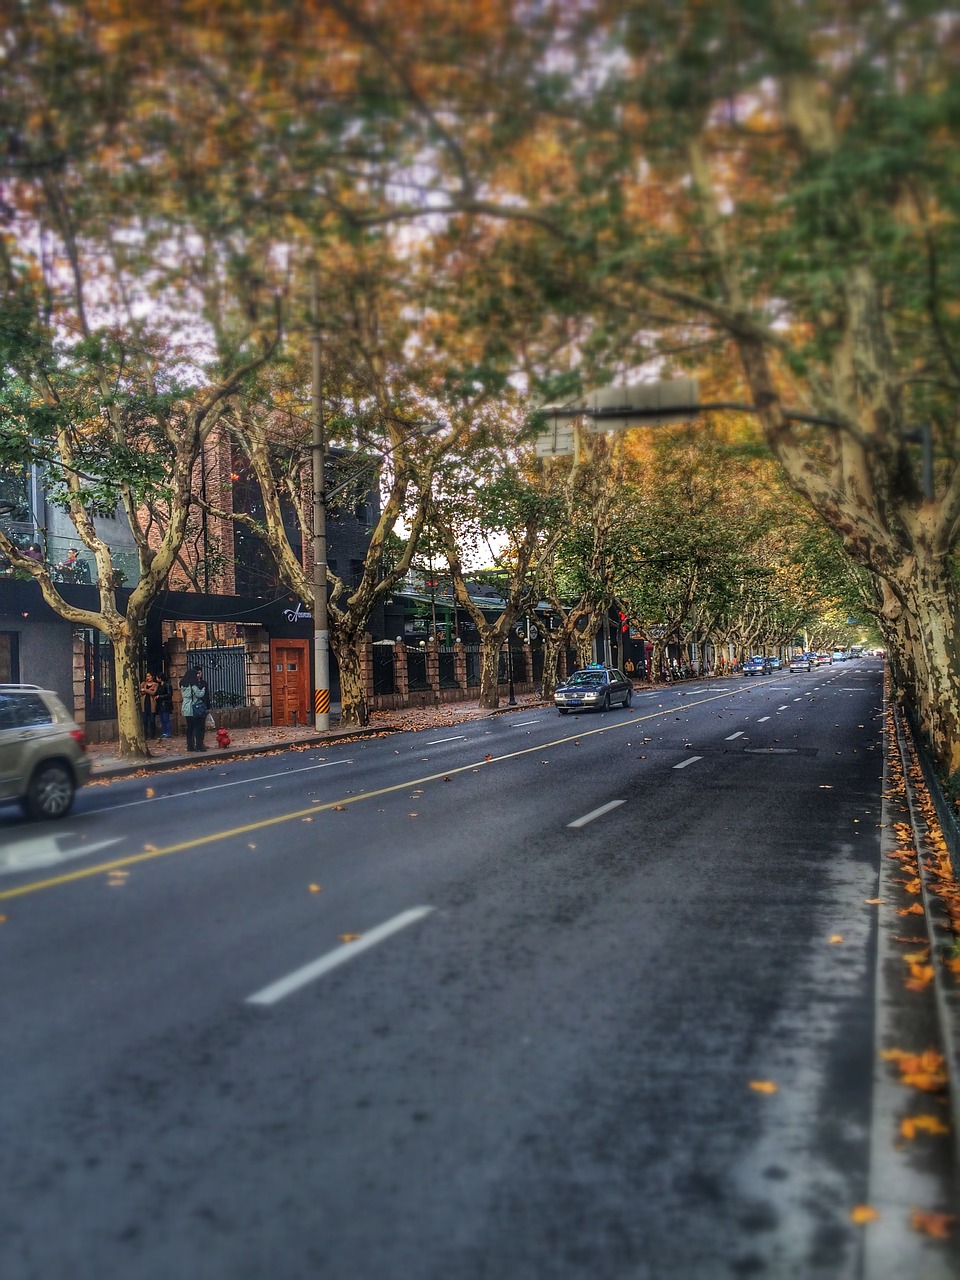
point(46, 653)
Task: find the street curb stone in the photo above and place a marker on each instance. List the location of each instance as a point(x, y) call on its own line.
point(107, 772)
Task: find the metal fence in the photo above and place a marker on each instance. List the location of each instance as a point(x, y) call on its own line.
point(225, 671)
point(472, 653)
point(384, 673)
point(417, 669)
point(447, 669)
point(99, 683)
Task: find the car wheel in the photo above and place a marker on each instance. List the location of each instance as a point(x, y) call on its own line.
point(628, 698)
point(605, 701)
point(51, 791)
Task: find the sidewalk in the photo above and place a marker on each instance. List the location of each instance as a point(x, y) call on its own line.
point(268, 739)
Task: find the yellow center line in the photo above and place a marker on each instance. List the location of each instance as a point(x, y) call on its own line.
point(53, 882)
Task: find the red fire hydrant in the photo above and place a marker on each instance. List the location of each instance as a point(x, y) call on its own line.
point(223, 738)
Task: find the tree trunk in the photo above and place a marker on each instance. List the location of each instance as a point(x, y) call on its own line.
point(354, 711)
point(126, 667)
point(583, 644)
point(489, 668)
point(551, 657)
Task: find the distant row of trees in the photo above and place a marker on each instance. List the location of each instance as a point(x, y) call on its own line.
point(496, 200)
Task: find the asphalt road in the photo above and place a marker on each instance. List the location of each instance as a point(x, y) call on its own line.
point(533, 1055)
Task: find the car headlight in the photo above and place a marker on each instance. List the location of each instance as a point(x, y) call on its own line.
point(590, 697)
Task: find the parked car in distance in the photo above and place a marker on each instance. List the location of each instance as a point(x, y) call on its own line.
point(595, 687)
point(756, 666)
point(802, 662)
point(838, 655)
point(42, 752)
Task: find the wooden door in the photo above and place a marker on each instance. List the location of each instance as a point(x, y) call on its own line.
point(290, 682)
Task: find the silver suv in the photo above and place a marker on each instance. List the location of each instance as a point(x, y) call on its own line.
point(42, 753)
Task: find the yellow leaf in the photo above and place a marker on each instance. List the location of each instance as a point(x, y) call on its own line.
point(932, 1224)
point(836, 937)
point(316, 888)
point(862, 1214)
point(874, 902)
point(914, 910)
point(150, 793)
point(910, 1126)
point(350, 937)
point(763, 1086)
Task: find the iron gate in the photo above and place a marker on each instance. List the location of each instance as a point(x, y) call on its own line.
point(225, 671)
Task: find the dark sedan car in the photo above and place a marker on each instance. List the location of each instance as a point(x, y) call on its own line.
point(756, 666)
point(597, 687)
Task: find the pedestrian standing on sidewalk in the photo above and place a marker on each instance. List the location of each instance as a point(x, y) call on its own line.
point(195, 693)
point(149, 688)
point(164, 704)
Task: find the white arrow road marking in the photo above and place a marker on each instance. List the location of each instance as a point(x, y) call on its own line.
point(596, 813)
point(317, 968)
point(45, 851)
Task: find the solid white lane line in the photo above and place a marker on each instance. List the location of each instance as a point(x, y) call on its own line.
point(596, 813)
point(762, 718)
point(460, 737)
point(738, 734)
point(216, 786)
point(517, 723)
point(276, 991)
point(683, 763)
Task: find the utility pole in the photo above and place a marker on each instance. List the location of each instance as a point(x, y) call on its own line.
point(321, 632)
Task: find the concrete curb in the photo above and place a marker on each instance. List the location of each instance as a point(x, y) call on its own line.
point(940, 933)
point(108, 772)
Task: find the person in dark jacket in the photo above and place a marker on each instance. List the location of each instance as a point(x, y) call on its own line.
point(164, 704)
point(195, 695)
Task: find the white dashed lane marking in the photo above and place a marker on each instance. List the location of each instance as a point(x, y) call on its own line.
point(683, 763)
point(596, 813)
point(276, 991)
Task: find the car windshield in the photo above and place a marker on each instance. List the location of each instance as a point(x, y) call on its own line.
point(586, 678)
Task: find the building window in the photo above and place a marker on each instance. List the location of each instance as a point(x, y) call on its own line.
point(9, 657)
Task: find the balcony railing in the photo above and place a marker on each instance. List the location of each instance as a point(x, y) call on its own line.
point(64, 568)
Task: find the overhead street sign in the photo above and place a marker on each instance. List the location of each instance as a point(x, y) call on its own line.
point(616, 409)
point(557, 442)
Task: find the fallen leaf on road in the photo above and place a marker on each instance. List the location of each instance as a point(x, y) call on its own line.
point(350, 937)
point(912, 886)
point(488, 757)
point(413, 815)
point(306, 819)
point(921, 975)
point(836, 937)
point(150, 793)
point(338, 808)
point(874, 902)
point(150, 848)
point(3, 919)
point(916, 957)
point(315, 888)
point(932, 1224)
point(862, 1214)
point(910, 1126)
point(764, 1086)
point(914, 910)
